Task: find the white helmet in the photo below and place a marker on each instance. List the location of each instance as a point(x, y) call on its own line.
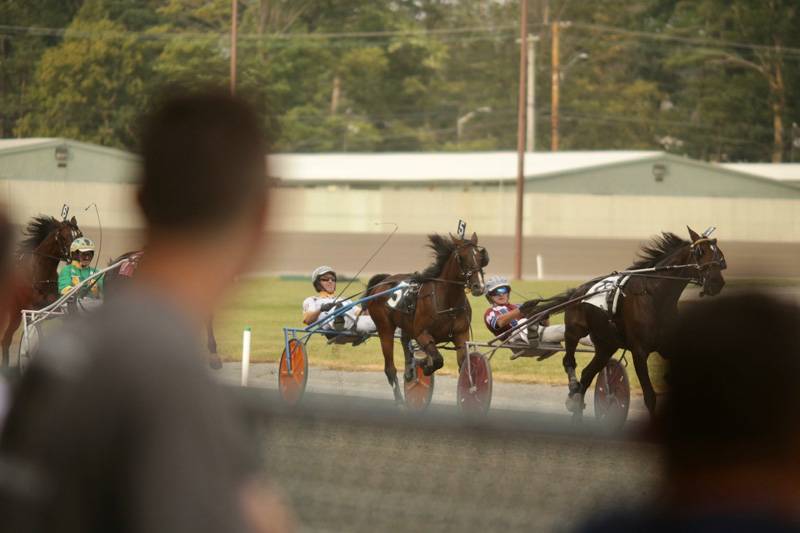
point(318, 272)
point(495, 282)
point(81, 244)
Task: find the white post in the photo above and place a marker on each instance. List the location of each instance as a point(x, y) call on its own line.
point(245, 355)
point(539, 267)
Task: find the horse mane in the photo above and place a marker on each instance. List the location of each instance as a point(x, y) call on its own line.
point(36, 232)
point(658, 249)
point(443, 247)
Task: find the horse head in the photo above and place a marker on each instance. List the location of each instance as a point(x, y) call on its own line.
point(710, 261)
point(63, 233)
point(471, 260)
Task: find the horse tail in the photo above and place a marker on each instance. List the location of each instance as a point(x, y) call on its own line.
point(536, 306)
point(375, 280)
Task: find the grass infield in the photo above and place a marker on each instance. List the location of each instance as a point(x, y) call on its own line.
point(269, 304)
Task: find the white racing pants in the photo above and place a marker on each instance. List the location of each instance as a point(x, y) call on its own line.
point(548, 334)
point(353, 321)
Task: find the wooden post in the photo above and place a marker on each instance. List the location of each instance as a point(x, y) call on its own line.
point(234, 25)
point(554, 84)
point(521, 104)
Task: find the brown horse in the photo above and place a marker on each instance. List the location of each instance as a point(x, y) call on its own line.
point(440, 311)
point(648, 304)
point(46, 243)
point(116, 279)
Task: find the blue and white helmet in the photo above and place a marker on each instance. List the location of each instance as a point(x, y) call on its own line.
point(319, 272)
point(495, 282)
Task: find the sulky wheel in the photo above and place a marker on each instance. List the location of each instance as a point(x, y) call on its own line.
point(292, 386)
point(418, 391)
point(28, 344)
point(474, 388)
point(612, 395)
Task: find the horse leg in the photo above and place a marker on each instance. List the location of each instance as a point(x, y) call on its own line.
point(214, 360)
point(387, 347)
point(435, 359)
point(405, 340)
point(640, 364)
point(602, 354)
point(14, 320)
point(574, 402)
point(573, 333)
point(460, 342)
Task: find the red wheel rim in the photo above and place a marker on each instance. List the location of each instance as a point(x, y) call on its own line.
point(292, 386)
point(419, 390)
point(612, 395)
point(475, 396)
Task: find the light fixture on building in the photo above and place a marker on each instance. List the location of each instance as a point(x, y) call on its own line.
point(659, 171)
point(62, 155)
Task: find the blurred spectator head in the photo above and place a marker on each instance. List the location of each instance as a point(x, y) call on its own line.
point(204, 164)
point(733, 401)
point(204, 191)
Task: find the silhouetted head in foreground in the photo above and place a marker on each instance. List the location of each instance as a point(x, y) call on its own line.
point(734, 369)
point(732, 418)
point(204, 163)
point(203, 195)
point(730, 428)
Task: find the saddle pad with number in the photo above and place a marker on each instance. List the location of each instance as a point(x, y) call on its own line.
point(405, 298)
point(608, 291)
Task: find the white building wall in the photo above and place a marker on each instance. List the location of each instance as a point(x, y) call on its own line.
point(116, 202)
point(551, 215)
point(420, 211)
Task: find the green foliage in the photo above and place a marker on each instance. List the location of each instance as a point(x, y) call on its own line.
point(89, 89)
point(715, 79)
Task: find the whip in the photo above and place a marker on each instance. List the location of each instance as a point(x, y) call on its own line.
point(396, 227)
point(100, 226)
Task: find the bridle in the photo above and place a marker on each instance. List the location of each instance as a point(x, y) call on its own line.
point(467, 273)
point(716, 258)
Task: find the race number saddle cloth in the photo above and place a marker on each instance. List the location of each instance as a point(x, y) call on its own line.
point(609, 290)
point(405, 299)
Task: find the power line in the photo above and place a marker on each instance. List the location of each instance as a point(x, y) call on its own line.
point(63, 32)
point(702, 42)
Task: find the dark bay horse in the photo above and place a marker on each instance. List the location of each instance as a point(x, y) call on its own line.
point(117, 278)
point(46, 243)
point(647, 305)
point(441, 312)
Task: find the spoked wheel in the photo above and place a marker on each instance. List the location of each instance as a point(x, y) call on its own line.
point(28, 344)
point(474, 388)
point(418, 391)
point(292, 386)
point(612, 395)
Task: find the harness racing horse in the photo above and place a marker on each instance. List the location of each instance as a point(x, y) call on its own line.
point(117, 278)
point(648, 303)
point(46, 243)
point(440, 311)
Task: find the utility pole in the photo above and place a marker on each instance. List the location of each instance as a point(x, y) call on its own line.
point(555, 79)
point(531, 118)
point(523, 52)
point(234, 25)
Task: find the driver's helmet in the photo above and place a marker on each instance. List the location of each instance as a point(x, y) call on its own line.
point(494, 283)
point(81, 244)
point(318, 273)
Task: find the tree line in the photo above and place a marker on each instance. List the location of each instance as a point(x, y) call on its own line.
point(712, 79)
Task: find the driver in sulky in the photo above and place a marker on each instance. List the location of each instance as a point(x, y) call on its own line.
point(503, 316)
point(325, 302)
point(78, 270)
